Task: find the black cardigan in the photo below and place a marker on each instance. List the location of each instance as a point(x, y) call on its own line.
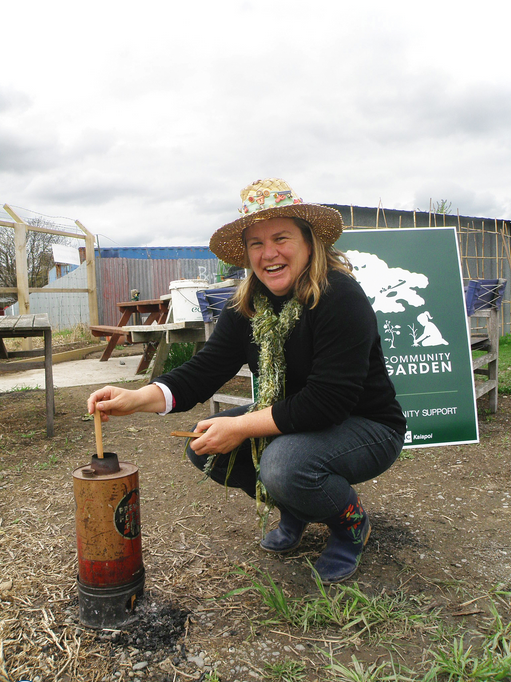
point(334, 363)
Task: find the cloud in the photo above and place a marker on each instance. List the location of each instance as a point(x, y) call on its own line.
point(149, 135)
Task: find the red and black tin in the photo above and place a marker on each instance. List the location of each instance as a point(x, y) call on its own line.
point(110, 567)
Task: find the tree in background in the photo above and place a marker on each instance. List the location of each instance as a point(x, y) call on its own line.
point(39, 254)
point(442, 206)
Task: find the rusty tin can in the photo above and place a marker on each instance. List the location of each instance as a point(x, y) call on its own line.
point(110, 566)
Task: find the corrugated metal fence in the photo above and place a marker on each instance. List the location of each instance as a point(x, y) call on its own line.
point(116, 277)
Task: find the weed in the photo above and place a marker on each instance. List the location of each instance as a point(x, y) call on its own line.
point(273, 596)
point(499, 639)
point(178, 354)
point(505, 365)
point(52, 461)
point(344, 606)
point(458, 663)
point(361, 672)
point(405, 454)
point(211, 676)
point(20, 388)
point(284, 671)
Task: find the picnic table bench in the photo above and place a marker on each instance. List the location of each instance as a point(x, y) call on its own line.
point(27, 326)
point(156, 309)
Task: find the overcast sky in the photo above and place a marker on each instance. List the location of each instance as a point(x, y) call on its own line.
point(144, 120)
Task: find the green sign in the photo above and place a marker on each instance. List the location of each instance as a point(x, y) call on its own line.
point(413, 279)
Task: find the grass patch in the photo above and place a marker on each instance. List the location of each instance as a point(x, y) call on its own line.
point(505, 365)
point(379, 618)
point(392, 620)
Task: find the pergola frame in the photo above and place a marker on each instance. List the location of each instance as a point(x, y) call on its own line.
point(22, 289)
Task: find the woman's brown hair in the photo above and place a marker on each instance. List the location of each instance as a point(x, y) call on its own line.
point(311, 283)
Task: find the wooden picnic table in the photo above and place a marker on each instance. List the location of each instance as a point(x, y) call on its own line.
point(156, 309)
point(27, 326)
point(164, 335)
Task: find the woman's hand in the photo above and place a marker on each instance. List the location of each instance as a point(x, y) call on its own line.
point(118, 402)
point(223, 434)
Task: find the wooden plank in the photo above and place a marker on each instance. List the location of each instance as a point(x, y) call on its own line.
point(142, 306)
point(106, 330)
point(46, 230)
point(479, 343)
point(144, 328)
point(48, 376)
point(41, 321)
point(483, 387)
point(24, 323)
point(484, 360)
point(21, 366)
point(231, 399)
point(90, 264)
point(56, 290)
point(149, 336)
point(9, 322)
point(162, 353)
point(20, 245)
point(35, 353)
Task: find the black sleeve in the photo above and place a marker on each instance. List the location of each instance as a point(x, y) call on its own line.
point(344, 333)
point(221, 358)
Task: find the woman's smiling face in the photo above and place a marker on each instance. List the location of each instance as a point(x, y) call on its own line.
point(278, 253)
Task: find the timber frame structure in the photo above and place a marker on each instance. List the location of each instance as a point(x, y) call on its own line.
point(20, 242)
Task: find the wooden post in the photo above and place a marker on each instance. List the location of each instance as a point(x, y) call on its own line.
point(91, 274)
point(20, 246)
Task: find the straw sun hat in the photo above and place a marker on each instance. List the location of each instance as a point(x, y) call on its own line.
point(272, 198)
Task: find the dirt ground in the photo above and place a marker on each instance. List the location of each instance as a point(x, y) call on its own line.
point(441, 540)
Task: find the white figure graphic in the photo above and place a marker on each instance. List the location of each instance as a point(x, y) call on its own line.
point(431, 335)
point(387, 286)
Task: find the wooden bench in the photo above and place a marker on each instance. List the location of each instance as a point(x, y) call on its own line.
point(231, 399)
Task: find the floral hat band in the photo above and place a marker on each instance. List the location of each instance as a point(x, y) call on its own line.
point(261, 199)
point(267, 199)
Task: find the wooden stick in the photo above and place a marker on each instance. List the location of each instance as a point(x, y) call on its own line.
point(99, 437)
point(186, 434)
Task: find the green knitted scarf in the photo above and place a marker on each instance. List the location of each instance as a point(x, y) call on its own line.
point(270, 332)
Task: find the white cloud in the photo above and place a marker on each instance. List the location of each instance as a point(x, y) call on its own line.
point(144, 122)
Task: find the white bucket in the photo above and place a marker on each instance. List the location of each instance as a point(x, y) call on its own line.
point(185, 307)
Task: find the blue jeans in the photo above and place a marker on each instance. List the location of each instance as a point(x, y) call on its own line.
point(310, 474)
